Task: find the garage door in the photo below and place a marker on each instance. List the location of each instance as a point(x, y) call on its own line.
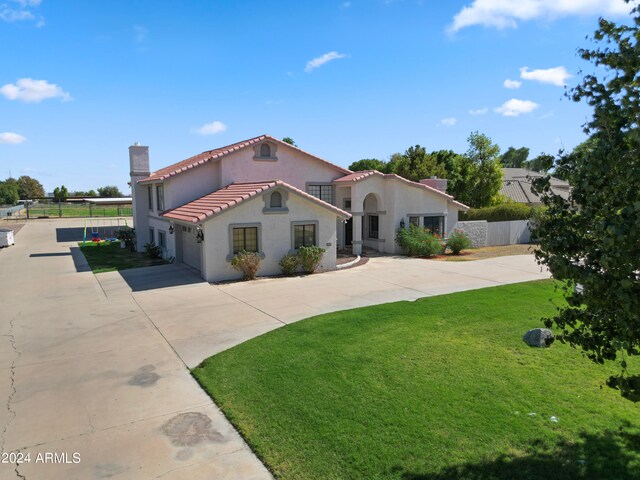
point(190, 248)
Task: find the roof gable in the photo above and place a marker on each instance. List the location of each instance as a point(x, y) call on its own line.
point(222, 200)
point(218, 153)
point(359, 176)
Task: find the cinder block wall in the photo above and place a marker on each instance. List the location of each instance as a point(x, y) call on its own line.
point(476, 231)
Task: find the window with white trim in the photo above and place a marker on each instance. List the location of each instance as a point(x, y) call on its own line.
point(434, 224)
point(245, 239)
point(160, 197)
point(162, 239)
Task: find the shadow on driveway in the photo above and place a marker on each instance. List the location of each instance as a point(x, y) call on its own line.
point(160, 276)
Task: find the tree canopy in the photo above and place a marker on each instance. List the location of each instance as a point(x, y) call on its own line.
point(60, 193)
point(591, 242)
point(110, 191)
point(290, 141)
point(9, 192)
point(415, 164)
point(480, 172)
point(369, 164)
point(29, 187)
point(515, 157)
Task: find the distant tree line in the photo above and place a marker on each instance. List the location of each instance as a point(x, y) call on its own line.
point(474, 177)
point(26, 187)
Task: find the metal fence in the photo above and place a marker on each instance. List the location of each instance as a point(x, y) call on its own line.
point(75, 209)
point(11, 211)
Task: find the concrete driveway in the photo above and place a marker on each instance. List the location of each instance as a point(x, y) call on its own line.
point(97, 364)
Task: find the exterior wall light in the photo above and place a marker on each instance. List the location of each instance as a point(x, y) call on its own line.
point(402, 224)
point(171, 229)
point(199, 234)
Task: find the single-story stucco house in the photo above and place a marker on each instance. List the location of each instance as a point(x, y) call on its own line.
point(267, 196)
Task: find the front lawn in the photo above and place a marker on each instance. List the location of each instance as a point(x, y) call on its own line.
point(107, 257)
point(441, 388)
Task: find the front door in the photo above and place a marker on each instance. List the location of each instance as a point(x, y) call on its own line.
point(348, 232)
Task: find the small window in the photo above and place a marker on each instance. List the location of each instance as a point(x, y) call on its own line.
point(434, 224)
point(276, 200)
point(245, 238)
point(347, 204)
point(151, 235)
point(265, 150)
point(150, 197)
point(373, 226)
point(304, 235)
point(160, 197)
point(184, 229)
point(323, 192)
point(415, 221)
point(162, 239)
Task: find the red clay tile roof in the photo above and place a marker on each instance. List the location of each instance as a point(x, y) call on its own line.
point(212, 155)
point(216, 202)
point(358, 176)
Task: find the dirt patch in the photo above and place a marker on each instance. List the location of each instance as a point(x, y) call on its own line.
point(12, 226)
point(487, 252)
point(190, 429)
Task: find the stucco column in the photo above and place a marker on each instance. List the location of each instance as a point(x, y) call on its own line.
point(357, 233)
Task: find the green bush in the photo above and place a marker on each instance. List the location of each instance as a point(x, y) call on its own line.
point(419, 242)
point(289, 263)
point(310, 258)
point(247, 263)
point(129, 237)
point(153, 250)
point(458, 241)
point(500, 213)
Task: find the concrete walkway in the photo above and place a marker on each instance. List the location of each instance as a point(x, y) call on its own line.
point(96, 364)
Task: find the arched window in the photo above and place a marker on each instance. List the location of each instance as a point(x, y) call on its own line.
point(275, 200)
point(265, 150)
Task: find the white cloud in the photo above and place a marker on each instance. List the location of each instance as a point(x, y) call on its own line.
point(479, 111)
point(211, 128)
point(515, 107)
point(20, 11)
point(321, 60)
point(508, 83)
point(554, 76)
point(503, 14)
point(33, 91)
point(449, 122)
point(11, 138)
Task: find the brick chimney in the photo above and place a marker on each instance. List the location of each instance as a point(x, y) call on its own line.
point(139, 169)
point(435, 182)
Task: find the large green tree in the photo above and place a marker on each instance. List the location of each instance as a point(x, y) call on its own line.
point(29, 187)
point(591, 242)
point(542, 163)
point(60, 193)
point(416, 164)
point(9, 192)
point(369, 164)
point(515, 157)
point(110, 191)
point(482, 171)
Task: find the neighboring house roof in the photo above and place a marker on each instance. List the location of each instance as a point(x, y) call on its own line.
point(218, 153)
point(224, 199)
point(516, 185)
point(359, 176)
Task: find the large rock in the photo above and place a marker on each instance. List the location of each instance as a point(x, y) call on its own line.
point(538, 337)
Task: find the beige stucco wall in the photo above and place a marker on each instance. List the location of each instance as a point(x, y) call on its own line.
point(396, 200)
point(275, 237)
point(292, 167)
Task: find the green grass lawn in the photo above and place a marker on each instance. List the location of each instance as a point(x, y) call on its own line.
point(441, 388)
point(106, 257)
point(66, 210)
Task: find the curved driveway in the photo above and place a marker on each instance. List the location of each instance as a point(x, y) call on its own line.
point(97, 364)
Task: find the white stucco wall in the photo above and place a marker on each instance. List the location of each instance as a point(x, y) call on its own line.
point(275, 236)
point(192, 184)
point(162, 224)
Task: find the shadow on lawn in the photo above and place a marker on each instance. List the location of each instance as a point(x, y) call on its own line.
point(610, 455)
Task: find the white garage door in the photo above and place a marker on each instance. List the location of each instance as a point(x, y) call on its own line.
point(190, 248)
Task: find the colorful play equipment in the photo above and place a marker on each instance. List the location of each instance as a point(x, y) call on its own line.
point(107, 230)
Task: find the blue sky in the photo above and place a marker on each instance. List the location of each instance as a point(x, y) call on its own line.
point(80, 80)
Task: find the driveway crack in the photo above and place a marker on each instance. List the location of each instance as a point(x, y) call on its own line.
point(12, 387)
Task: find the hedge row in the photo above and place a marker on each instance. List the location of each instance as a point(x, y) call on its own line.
point(501, 213)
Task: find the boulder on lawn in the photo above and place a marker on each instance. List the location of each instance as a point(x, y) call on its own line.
point(539, 337)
